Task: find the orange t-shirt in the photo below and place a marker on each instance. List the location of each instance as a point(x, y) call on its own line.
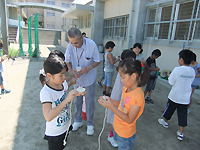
point(135, 97)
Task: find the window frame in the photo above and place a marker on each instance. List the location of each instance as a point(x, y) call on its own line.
point(173, 22)
point(115, 26)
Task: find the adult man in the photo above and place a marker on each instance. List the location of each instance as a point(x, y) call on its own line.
point(82, 54)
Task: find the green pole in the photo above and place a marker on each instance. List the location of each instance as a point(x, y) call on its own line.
point(29, 37)
point(21, 52)
point(36, 51)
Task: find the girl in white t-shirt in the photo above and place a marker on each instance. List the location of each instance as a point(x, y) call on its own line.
point(55, 99)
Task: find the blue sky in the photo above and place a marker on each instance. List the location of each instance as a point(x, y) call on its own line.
point(81, 1)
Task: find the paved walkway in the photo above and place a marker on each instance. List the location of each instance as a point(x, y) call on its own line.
point(22, 123)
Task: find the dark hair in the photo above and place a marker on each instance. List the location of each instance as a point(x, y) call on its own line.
point(137, 45)
point(123, 54)
point(156, 52)
point(141, 51)
point(109, 44)
point(59, 53)
point(130, 54)
point(130, 66)
point(194, 57)
point(42, 78)
point(186, 55)
point(54, 65)
point(74, 32)
point(83, 33)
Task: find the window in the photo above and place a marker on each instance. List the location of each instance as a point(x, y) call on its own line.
point(50, 13)
point(85, 21)
point(116, 27)
point(51, 2)
point(50, 25)
point(66, 5)
point(178, 22)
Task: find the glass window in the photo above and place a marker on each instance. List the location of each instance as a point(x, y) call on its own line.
point(51, 2)
point(66, 5)
point(152, 15)
point(150, 30)
point(182, 29)
point(164, 30)
point(197, 30)
point(166, 13)
point(185, 11)
point(117, 27)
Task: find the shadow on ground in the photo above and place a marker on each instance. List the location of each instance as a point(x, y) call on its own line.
point(150, 135)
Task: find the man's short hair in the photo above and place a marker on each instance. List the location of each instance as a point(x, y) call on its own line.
point(74, 32)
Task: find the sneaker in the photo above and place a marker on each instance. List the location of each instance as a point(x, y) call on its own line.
point(150, 100)
point(180, 136)
point(112, 141)
point(77, 125)
point(99, 84)
point(163, 123)
point(90, 130)
point(5, 91)
point(146, 101)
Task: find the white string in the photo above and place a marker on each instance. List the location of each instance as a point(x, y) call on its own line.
point(104, 121)
point(64, 141)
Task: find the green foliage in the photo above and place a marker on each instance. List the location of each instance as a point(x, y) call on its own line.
point(13, 52)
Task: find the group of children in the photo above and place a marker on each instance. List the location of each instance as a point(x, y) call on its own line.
point(127, 98)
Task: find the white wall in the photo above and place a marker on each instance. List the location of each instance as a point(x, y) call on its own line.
point(87, 31)
point(120, 45)
point(169, 56)
point(115, 8)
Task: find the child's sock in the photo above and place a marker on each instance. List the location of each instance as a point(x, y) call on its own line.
point(3, 89)
point(111, 134)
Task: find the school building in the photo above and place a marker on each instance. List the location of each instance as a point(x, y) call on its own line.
point(168, 25)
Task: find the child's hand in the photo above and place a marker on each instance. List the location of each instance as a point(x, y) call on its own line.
point(72, 81)
point(105, 101)
point(157, 69)
point(3, 58)
point(71, 95)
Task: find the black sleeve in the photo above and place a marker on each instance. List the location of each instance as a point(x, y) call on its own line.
point(148, 62)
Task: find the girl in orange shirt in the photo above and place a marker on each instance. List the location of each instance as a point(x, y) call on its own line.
point(131, 105)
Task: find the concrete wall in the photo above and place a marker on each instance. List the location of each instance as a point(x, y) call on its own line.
point(48, 37)
point(63, 43)
point(169, 57)
point(87, 31)
point(97, 22)
point(120, 45)
point(115, 8)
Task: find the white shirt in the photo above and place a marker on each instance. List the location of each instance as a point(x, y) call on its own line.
point(90, 54)
point(60, 123)
point(181, 79)
point(140, 57)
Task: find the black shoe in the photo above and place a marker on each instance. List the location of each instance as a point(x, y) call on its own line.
point(146, 101)
point(150, 100)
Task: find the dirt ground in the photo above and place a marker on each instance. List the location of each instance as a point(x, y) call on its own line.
point(22, 123)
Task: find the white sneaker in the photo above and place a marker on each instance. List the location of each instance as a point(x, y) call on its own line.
point(90, 130)
point(162, 122)
point(76, 125)
point(112, 141)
